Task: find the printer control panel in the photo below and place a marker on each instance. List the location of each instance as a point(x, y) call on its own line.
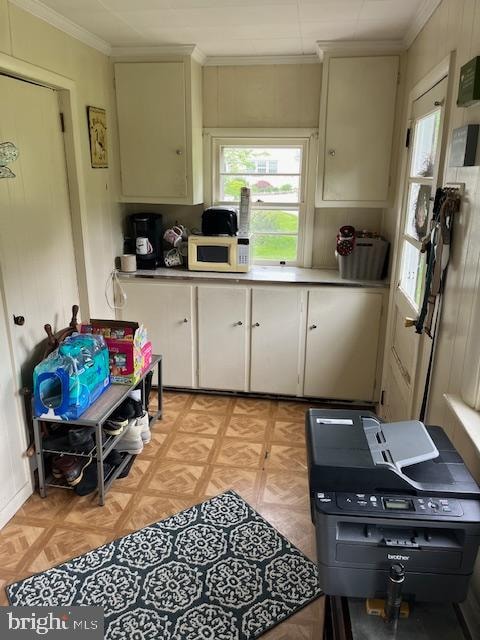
point(379, 503)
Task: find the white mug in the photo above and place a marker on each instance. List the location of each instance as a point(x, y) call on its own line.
point(173, 235)
point(143, 246)
point(172, 258)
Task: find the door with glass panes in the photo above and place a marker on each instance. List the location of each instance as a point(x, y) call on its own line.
point(409, 352)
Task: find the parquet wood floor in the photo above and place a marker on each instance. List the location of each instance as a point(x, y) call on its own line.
point(204, 445)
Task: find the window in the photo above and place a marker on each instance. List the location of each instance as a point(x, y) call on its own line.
point(425, 132)
point(275, 172)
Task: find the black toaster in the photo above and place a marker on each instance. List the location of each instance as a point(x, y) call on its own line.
point(219, 221)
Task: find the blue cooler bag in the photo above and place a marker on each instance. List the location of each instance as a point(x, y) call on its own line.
point(72, 377)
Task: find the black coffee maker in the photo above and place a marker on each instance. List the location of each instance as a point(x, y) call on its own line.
point(147, 236)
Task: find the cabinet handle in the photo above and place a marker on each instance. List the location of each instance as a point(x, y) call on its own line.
point(185, 320)
point(257, 324)
point(312, 326)
point(239, 323)
point(179, 152)
point(332, 153)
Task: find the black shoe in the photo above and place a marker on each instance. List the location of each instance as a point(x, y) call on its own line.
point(89, 482)
point(81, 439)
point(126, 471)
point(56, 442)
point(138, 407)
point(114, 458)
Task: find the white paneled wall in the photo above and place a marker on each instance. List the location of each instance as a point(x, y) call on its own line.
point(326, 225)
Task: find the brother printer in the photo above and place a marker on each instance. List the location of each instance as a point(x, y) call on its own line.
point(385, 493)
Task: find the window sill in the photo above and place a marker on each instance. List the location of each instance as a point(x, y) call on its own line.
point(467, 442)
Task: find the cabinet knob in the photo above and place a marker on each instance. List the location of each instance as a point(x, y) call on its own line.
point(239, 323)
point(257, 324)
point(19, 320)
point(331, 153)
point(185, 320)
point(312, 326)
point(179, 152)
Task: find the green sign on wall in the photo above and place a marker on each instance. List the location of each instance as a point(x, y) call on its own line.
point(469, 85)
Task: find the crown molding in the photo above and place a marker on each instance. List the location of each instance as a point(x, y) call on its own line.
point(40, 10)
point(354, 47)
point(227, 61)
point(159, 51)
point(422, 16)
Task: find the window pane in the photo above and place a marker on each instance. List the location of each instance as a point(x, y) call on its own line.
point(275, 248)
point(413, 273)
point(266, 188)
point(425, 145)
point(417, 210)
point(239, 159)
point(277, 221)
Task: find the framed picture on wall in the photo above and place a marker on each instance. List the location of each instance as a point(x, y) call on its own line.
point(97, 128)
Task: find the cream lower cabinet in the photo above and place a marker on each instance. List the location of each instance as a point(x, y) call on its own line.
point(276, 322)
point(342, 341)
point(167, 311)
point(223, 315)
point(318, 342)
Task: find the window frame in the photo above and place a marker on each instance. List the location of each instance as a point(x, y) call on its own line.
point(307, 139)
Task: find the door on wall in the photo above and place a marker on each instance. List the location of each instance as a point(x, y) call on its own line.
point(409, 352)
point(38, 281)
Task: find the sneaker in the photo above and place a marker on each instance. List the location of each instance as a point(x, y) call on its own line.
point(144, 423)
point(114, 429)
point(122, 414)
point(131, 441)
point(70, 467)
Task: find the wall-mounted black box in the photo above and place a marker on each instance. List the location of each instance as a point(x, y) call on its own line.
point(469, 85)
point(464, 146)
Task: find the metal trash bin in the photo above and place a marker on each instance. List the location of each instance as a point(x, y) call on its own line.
point(367, 260)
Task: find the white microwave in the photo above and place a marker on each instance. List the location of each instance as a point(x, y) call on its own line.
point(219, 253)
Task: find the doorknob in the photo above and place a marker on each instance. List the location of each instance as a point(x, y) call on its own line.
point(19, 320)
point(312, 326)
point(410, 322)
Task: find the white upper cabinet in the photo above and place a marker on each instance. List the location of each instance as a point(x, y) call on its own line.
point(356, 131)
point(159, 108)
point(223, 338)
point(276, 321)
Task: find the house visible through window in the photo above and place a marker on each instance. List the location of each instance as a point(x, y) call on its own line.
point(274, 174)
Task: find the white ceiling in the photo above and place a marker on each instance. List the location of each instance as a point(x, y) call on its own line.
point(243, 27)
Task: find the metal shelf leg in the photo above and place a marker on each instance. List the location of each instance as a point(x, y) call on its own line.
point(101, 479)
point(40, 462)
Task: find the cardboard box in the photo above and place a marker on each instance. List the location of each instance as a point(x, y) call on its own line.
point(130, 353)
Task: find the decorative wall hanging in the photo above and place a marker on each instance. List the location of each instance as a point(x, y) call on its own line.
point(97, 127)
point(8, 154)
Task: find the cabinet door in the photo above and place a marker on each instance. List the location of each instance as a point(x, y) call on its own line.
point(152, 128)
point(275, 340)
point(166, 310)
point(222, 337)
point(359, 128)
point(343, 329)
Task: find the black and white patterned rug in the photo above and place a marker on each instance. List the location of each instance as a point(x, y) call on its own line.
point(216, 571)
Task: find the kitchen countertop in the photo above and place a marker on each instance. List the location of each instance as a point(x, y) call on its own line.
point(268, 275)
